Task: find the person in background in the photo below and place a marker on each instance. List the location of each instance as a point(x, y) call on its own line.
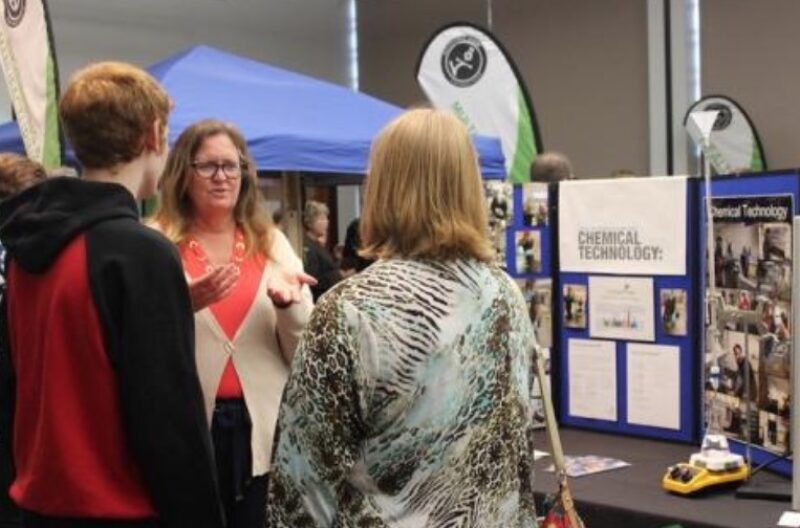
point(107, 425)
point(744, 370)
point(318, 262)
point(352, 261)
point(409, 403)
point(338, 251)
point(551, 167)
point(622, 173)
point(17, 173)
point(250, 298)
point(277, 220)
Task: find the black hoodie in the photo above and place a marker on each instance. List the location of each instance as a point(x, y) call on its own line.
point(99, 381)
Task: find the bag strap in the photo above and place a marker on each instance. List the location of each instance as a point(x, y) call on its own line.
point(555, 443)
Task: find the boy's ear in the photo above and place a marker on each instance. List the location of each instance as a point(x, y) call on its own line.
point(155, 138)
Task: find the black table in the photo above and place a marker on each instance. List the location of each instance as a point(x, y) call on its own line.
point(632, 497)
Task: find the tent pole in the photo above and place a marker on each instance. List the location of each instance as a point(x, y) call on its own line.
point(292, 200)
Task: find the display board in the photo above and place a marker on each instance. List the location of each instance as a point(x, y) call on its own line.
point(520, 230)
point(629, 325)
point(747, 369)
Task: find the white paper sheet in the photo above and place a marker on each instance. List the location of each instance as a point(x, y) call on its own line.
point(654, 388)
point(593, 379)
point(630, 225)
point(622, 308)
point(790, 518)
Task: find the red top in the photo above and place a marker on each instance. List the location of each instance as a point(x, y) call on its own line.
point(70, 450)
point(231, 311)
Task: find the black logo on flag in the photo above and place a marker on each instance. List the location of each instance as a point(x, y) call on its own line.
point(724, 116)
point(464, 61)
point(15, 11)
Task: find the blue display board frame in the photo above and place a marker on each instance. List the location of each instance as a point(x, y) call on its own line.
point(753, 184)
point(690, 378)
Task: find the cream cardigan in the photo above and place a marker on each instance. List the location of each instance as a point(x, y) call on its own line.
point(262, 351)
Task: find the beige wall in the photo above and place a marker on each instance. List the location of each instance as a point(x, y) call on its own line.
point(585, 64)
point(749, 52)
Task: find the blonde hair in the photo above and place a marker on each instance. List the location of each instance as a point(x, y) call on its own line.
point(423, 196)
point(174, 214)
point(107, 111)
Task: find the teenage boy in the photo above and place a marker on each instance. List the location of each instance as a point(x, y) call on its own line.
point(107, 421)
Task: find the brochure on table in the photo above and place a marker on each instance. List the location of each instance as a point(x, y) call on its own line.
point(747, 386)
point(629, 330)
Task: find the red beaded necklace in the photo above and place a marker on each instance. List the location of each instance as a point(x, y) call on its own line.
point(237, 255)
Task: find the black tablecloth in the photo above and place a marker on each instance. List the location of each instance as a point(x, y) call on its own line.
point(632, 497)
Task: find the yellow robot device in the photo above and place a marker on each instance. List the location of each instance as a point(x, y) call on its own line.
point(713, 466)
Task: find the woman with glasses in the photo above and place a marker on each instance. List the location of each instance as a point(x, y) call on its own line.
point(251, 302)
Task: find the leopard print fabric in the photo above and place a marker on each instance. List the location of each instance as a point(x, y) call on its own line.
point(409, 404)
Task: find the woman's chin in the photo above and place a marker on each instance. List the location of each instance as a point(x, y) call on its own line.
point(217, 206)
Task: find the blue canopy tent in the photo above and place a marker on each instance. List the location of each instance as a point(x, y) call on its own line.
point(10, 138)
point(292, 122)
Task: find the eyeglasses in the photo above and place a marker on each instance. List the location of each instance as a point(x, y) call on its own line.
point(208, 169)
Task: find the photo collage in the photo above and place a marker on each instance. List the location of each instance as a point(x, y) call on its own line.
point(748, 365)
point(525, 260)
point(527, 236)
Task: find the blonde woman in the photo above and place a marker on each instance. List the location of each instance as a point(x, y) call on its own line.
point(251, 303)
point(409, 398)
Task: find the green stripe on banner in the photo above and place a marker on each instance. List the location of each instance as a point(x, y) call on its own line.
point(525, 151)
point(756, 162)
point(51, 155)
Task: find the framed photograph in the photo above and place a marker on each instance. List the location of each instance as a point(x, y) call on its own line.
point(499, 200)
point(534, 204)
point(575, 305)
point(673, 312)
point(538, 402)
point(538, 296)
point(499, 196)
point(528, 252)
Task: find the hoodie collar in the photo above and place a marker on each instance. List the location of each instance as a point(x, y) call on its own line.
point(36, 224)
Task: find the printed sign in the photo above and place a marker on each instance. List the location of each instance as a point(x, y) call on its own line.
point(631, 226)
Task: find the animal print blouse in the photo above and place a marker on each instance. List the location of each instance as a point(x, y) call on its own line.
point(409, 404)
